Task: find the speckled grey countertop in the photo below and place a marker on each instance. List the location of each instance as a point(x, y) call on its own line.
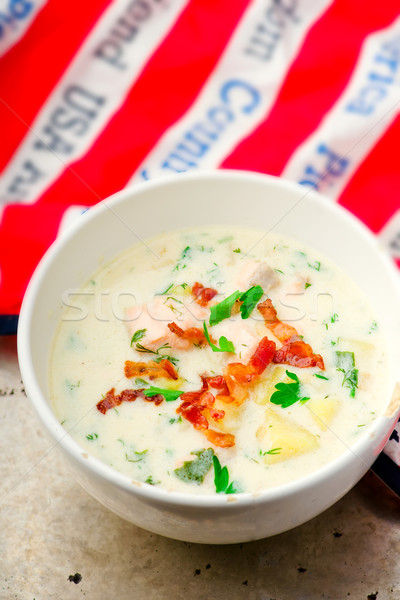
point(56, 542)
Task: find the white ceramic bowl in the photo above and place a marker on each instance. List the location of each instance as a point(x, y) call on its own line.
point(219, 197)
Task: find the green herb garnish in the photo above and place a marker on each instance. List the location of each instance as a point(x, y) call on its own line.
point(92, 436)
point(221, 479)
point(151, 481)
point(157, 356)
point(272, 451)
point(237, 250)
point(165, 291)
point(345, 363)
point(195, 470)
point(169, 395)
point(288, 393)
point(307, 285)
point(316, 265)
point(138, 335)
point(223, 309)
point(320, 376)
point(136, 456)
point(225, 345)
point(250, 299)
point(186, 255)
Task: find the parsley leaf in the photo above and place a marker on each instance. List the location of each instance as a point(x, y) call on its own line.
point(169, 395)
point(225, 345)
point(320, 376)
point(135, 457)
point(345, 363)
point(250, 299)
point(221, 479)
point(222, 310)
point(138, 335)
point(288, 393)
point(195, 470)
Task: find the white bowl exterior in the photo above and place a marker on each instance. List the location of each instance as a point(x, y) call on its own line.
point(225, 198)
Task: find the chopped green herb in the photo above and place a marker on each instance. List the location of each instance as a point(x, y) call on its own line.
point(92, 436)
point(171, 359)
point(237, 250)
point(272, 451)
point(150, 481)
point(138, 335)
point(278, 270)
point(72, 386)
point(222, 310)
point(316, 265)
point(221, 479)
point(165, 291)
point(345, 363)
point(157, 356)
point(169, 395)
point(225, 345)
point(136, 456)
point(320, 376)
point(288, 393)
point(187, 254)
point(334, 318)
point(195, 470)
point(374, 326)
point(307, 285)
point(178, 420)
point(250, 299)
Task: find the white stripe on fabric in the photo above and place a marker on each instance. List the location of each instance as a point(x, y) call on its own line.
point(92, 90)
point(329, 157)
point(16, 17)
point(240, 91)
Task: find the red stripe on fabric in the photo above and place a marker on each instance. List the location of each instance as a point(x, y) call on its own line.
point(24, 237)
point(373, 193)
point(316, 79)
point(168, 85)
point(30, 70)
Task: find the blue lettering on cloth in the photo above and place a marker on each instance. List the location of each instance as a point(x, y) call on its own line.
point(334, 166)
point(236, 97)
point(17, 10)
point(380, 78)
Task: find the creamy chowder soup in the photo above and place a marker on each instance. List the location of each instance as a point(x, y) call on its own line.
point(217, 360)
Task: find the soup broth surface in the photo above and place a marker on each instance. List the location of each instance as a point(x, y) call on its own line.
point(218, 360)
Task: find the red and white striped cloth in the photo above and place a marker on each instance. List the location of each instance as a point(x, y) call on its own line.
point(99, 94)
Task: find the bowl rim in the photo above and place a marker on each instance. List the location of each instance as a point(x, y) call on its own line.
point(62, 438)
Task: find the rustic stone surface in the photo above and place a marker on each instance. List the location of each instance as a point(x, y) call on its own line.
point(57, 542)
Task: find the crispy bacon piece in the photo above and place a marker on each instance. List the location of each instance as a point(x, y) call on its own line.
point(218, 382)
point(192, 334)
point(111, 400)
point(220, 439)
point(238, 376)
point(193, 406)
point(282, 331)
point(298, 354)
point(294, 350)
point(151, 369)
point(203, 295)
